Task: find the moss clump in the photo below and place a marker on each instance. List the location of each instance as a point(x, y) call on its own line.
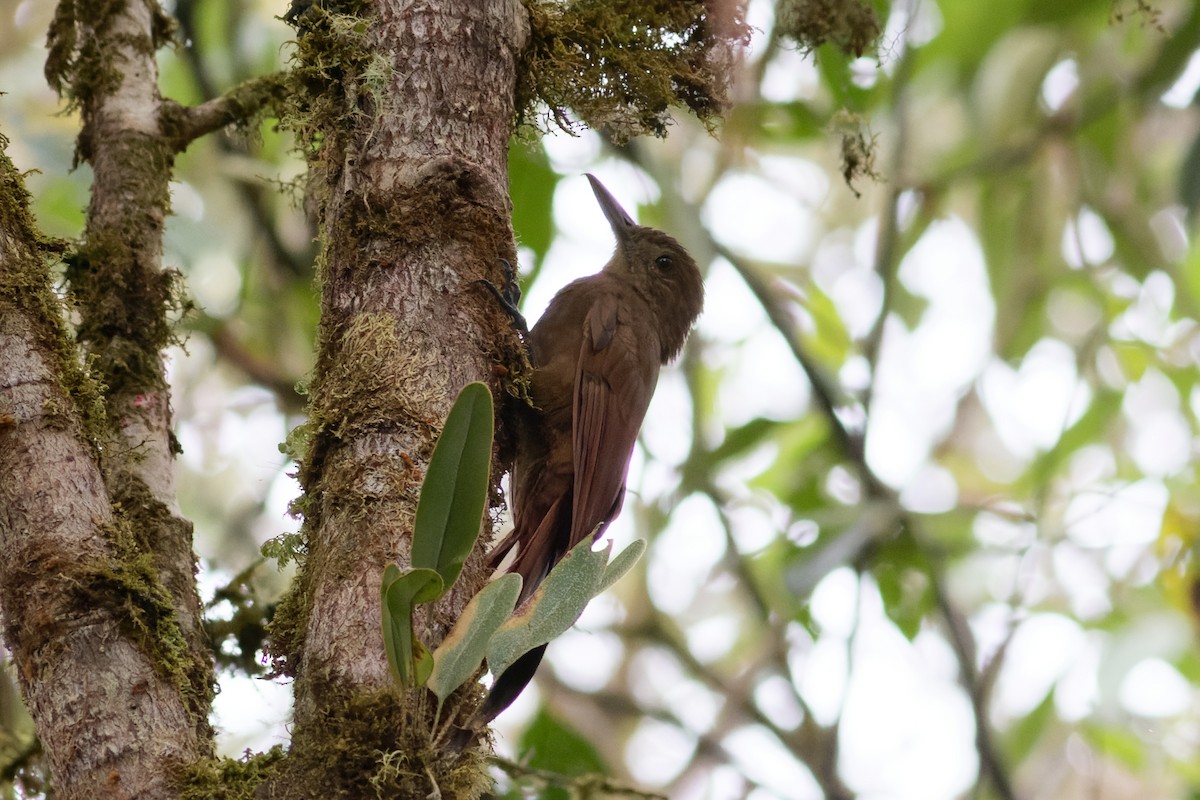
point(621, 64)
point(335, 77)
point(78, 66)
point(127, 583)
point(858, 148)
point(380, 745)
point(228, 778)
point(26, 283)
point(127, 311)
point(850, 24)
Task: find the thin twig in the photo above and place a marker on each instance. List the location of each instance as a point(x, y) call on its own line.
point(584, 785)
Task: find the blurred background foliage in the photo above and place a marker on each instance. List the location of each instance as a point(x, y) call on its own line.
point(921, 494)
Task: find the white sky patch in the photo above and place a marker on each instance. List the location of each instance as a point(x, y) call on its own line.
point(916, 22)
point(776, 227)
point(1184, 89)
point(731, 312)
point(1041, 651)
point(776, 698)
point(667, 431)
point(798, 178)
point(1078, 690)
point(923, 372)
point(186, 201)
point(250, 713)
point(215, 281)
point(932, 490)
point(570, 155)
point(1086, 240)
point(756, 521)
point(1149, 318)
point(1082, 577)
point(660, 683)
point(585, 661)
point(1160, 438)
point(712, 637)
point(906, 732)
point(762, 379)
point(1033, 405)
point(657, 752)
point(822, 679)
point(683, 554)
point(765, 761)
point(1154, 688)
point(790, 75)
point(844, 271)
point(997, 530)
point(1074, 315)
point(1116, 514)
point(834, 603)
point(1060, 83)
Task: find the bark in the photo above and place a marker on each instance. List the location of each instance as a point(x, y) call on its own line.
point(124, 296)
point(413, 176)
point(111, 720)
point(97, 583)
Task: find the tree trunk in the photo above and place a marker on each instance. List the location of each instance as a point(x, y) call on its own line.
point(410, 109)
point(412, 178)
point(97, 577)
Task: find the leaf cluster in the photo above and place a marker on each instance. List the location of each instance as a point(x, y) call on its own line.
point(447, 525)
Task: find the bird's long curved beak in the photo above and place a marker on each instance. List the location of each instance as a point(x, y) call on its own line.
point(622, 224)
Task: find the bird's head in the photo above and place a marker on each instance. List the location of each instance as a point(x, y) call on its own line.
point(658, 267)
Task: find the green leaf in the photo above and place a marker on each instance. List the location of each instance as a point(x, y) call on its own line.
point(459, 655)
point(554, 607)
point(532, 182)
point(422, 663)
point(739, 440)
point(624, 562)
point(550, 744)
point(401, 591)
point(391, 573)
point(1027, 731)
point(455, 488)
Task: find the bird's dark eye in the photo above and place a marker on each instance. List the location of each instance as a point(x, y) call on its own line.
point(663, 262)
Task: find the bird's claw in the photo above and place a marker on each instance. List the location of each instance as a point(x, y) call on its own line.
point(509, 296)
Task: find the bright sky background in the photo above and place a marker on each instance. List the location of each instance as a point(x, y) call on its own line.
point(907, 730)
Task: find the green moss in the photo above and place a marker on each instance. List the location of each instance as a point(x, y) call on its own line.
point(334, 77)
point(77, 66)
point(379, 745)
point(286, 630)
point(230, 779)
point(850, 24)
point(247, 105)
point(27, 283)
point(125, 313)
point(621, 64)
point(127, 582)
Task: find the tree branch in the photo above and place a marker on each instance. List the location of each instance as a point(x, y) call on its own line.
point(81, 621)
point(239, 105)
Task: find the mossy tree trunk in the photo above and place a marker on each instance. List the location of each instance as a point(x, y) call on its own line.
point(409, 167)
point(97, 579)
point(406, 108)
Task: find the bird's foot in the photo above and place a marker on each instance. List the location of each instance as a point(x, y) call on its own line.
point(509, 297)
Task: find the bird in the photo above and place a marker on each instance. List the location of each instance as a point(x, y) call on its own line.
point(596, 353)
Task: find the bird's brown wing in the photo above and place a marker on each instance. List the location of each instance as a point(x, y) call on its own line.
point(618, 367)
